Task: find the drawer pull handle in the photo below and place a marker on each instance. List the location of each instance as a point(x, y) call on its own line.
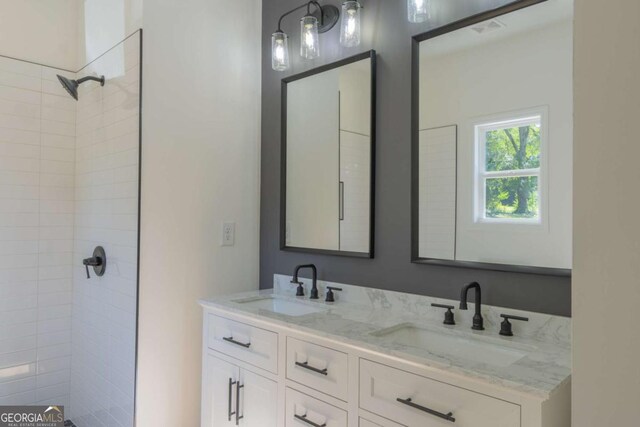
point(232, 341)
point(231, 384)
point(304, 419)
point(408, 402)
point(238, 416)
point(306, 365)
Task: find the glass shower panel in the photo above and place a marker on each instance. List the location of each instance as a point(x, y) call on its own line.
point(69, 182)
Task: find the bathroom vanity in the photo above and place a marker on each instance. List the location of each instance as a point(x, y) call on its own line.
point(377, 359)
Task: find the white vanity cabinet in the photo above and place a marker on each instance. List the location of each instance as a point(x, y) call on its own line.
point(234, 396)
point(260, 372)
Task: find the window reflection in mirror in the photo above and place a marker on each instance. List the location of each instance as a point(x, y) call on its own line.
point(494, 140)
point(328, 147)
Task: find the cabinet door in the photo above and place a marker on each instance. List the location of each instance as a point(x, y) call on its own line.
point(218, 392)
point(258, 401)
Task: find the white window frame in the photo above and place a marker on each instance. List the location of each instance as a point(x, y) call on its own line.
point(501, 121)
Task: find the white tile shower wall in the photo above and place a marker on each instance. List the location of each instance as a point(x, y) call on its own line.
point(106, 213)
point(37, 159)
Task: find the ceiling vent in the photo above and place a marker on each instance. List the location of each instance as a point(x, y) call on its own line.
point(488, 26)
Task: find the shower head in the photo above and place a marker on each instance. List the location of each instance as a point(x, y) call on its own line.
point(71, 86)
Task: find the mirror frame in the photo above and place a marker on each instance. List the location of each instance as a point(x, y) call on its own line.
point(415, 147)
point(371, 54)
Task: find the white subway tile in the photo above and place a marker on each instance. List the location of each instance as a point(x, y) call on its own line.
point(18, 275)
point(59, 115)
point(20, 67)
point(12, 304)
point(56, 206)
point(48, 393)
point(57, 128)
point(55, 285)
point(19, 81)
point(17, 331)
point(17, 136)
point(15, 289)
point(56, 233)
point(20, 233)
point(17, 386)
point(19, 150)
point(58, 141)
point(54, 312)
point(23, 219)
point(17, 108)
point(20, 123)
point(54, 365)
point(18, 399)
point(19, 178)
point(54, 338)
point(16, 317)
point(53, 166)
point(60, 154)
point(19, 344)
point(54, 298)
point(18, 261)
point(55, 219)
point(53, 378)
point(53, 88)
point(19, 164)
point(19, 192)
point(59, 102)
point(54, 325)
point(56, 180)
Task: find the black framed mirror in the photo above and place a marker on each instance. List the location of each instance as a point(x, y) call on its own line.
point(328, 159)
point(492, 140)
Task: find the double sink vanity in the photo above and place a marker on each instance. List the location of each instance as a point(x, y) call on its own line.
point(378, 358)
point(491, 185)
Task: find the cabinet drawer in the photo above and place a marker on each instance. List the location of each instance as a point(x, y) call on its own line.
point(417, 401)
point(366, 423)
point(320, 368)
point(302, 410)
point(247, 343)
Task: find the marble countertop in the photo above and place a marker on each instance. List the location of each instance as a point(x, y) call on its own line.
point(545, 366)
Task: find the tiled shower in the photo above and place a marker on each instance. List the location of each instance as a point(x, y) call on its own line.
point(69, 181)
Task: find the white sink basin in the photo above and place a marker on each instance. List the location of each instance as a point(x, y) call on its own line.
point(280, 306)
point(448, 346)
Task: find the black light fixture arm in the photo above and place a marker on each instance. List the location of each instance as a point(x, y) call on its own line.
point(95, 79)
point(307, 5)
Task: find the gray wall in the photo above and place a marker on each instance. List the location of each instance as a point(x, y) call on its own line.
point(385, 29)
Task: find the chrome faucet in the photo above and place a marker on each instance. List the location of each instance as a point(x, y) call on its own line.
point(314, 285)
point(478, 321)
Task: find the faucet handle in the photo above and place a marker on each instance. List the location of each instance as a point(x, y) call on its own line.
point(330, 297)
point(505, 326)
point(448, 315)
point(300, 290)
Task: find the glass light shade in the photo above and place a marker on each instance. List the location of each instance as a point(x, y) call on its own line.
point(279, 51)
point(350, 26)
point(418, 10)
point(309, 40)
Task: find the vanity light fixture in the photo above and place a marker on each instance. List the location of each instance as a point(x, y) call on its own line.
point(321, 20)
point(350, 27)
point(418, 10)
point(279, 51)
point(309, 38)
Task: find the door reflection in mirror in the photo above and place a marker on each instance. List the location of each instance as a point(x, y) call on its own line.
point(328, 156)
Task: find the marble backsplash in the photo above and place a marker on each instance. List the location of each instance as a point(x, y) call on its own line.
point(540, 327)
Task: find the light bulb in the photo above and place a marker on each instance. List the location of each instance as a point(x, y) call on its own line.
point(279, 51)
point(418, 10)
point(350, 27)
point(309, 46)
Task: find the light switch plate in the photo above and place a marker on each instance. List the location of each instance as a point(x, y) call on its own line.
point(228, 233)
